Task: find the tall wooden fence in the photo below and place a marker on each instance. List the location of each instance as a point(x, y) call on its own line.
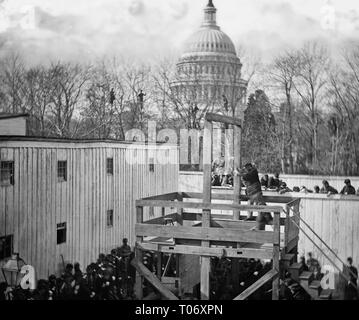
point(334, 218)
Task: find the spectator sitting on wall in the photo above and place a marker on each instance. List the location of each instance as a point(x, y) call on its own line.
point(265, 181)
point(327, 188)
point(316, 189)
point(351, 289)
point(274, 182)
point(216, 180)
point(283, 188)
point(304, 189)
point(253, 187)
point(227, 179)
point(348, 188)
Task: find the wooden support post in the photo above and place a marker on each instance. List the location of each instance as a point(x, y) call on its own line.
point(237, 164)
point(206, 215)
point(237, 131)
point(297, 221)
point(159, 265)
point(276, 255)
point(138, 254)
point(286, 228)
point(180, 210)
point(152, 279)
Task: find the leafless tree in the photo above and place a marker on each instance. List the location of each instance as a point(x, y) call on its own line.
point(343, 123)
point(282, 74)
point(12, 89)
point(310, 86)
point(68, 84)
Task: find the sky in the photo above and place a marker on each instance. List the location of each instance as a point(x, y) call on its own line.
point(46, 30)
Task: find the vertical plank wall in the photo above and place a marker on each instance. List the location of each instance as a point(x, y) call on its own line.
point(37, 202)
point(335, 219)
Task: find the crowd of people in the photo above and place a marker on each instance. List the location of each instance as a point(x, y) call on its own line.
point(222, 177)
point(111, 277)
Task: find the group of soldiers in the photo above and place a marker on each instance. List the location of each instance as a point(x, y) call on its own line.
point(111, 277)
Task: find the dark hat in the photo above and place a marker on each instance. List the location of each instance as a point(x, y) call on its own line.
point(347, 181)
point(248, 165)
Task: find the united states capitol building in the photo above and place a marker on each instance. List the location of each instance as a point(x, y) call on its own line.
point(209, 70)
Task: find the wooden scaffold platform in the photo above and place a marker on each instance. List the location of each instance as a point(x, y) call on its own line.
point(210, 225)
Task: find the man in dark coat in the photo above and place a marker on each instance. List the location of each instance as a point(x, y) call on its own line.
point(348, 188)
point(253, 186)
point(274, 182)
point(327, 188)
point(265, 181)
point(351, 288)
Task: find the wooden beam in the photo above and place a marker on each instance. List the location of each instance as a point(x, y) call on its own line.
point(292, 244)
point(233, 224)
point(229, 196)
point(246, 253)
point(206, 213)
point(206, 206)
point(138, 255)
point(192, 216)
point(255, 286)
point(237, 164)
point(166, 196)
point(153, 280)
point(161, 220)
point(206, 234)
point(213, 117)
point(276, 255)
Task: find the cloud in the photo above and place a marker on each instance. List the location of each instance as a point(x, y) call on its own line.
point(88, 29)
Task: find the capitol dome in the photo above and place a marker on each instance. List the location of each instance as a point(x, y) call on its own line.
point(209, 40)
point(209, 70)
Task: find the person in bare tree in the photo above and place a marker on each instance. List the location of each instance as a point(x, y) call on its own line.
point(112, 96)
point(141, 97)
point(225, 103)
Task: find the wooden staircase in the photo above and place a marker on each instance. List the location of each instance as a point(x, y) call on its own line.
point(306, 279)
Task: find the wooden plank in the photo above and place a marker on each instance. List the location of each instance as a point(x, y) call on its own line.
point(276, 256)
point(206, 234)
point(237, 164)
point(270, 275)
point(206, 214)
point(167, 196)
point(206, 206)
point(213, 117)
point(161, 220)
point(229, 196)
point(153, 280)
point(233, 224)
point(193, 216)
point(210, 251)
point(138, 254)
